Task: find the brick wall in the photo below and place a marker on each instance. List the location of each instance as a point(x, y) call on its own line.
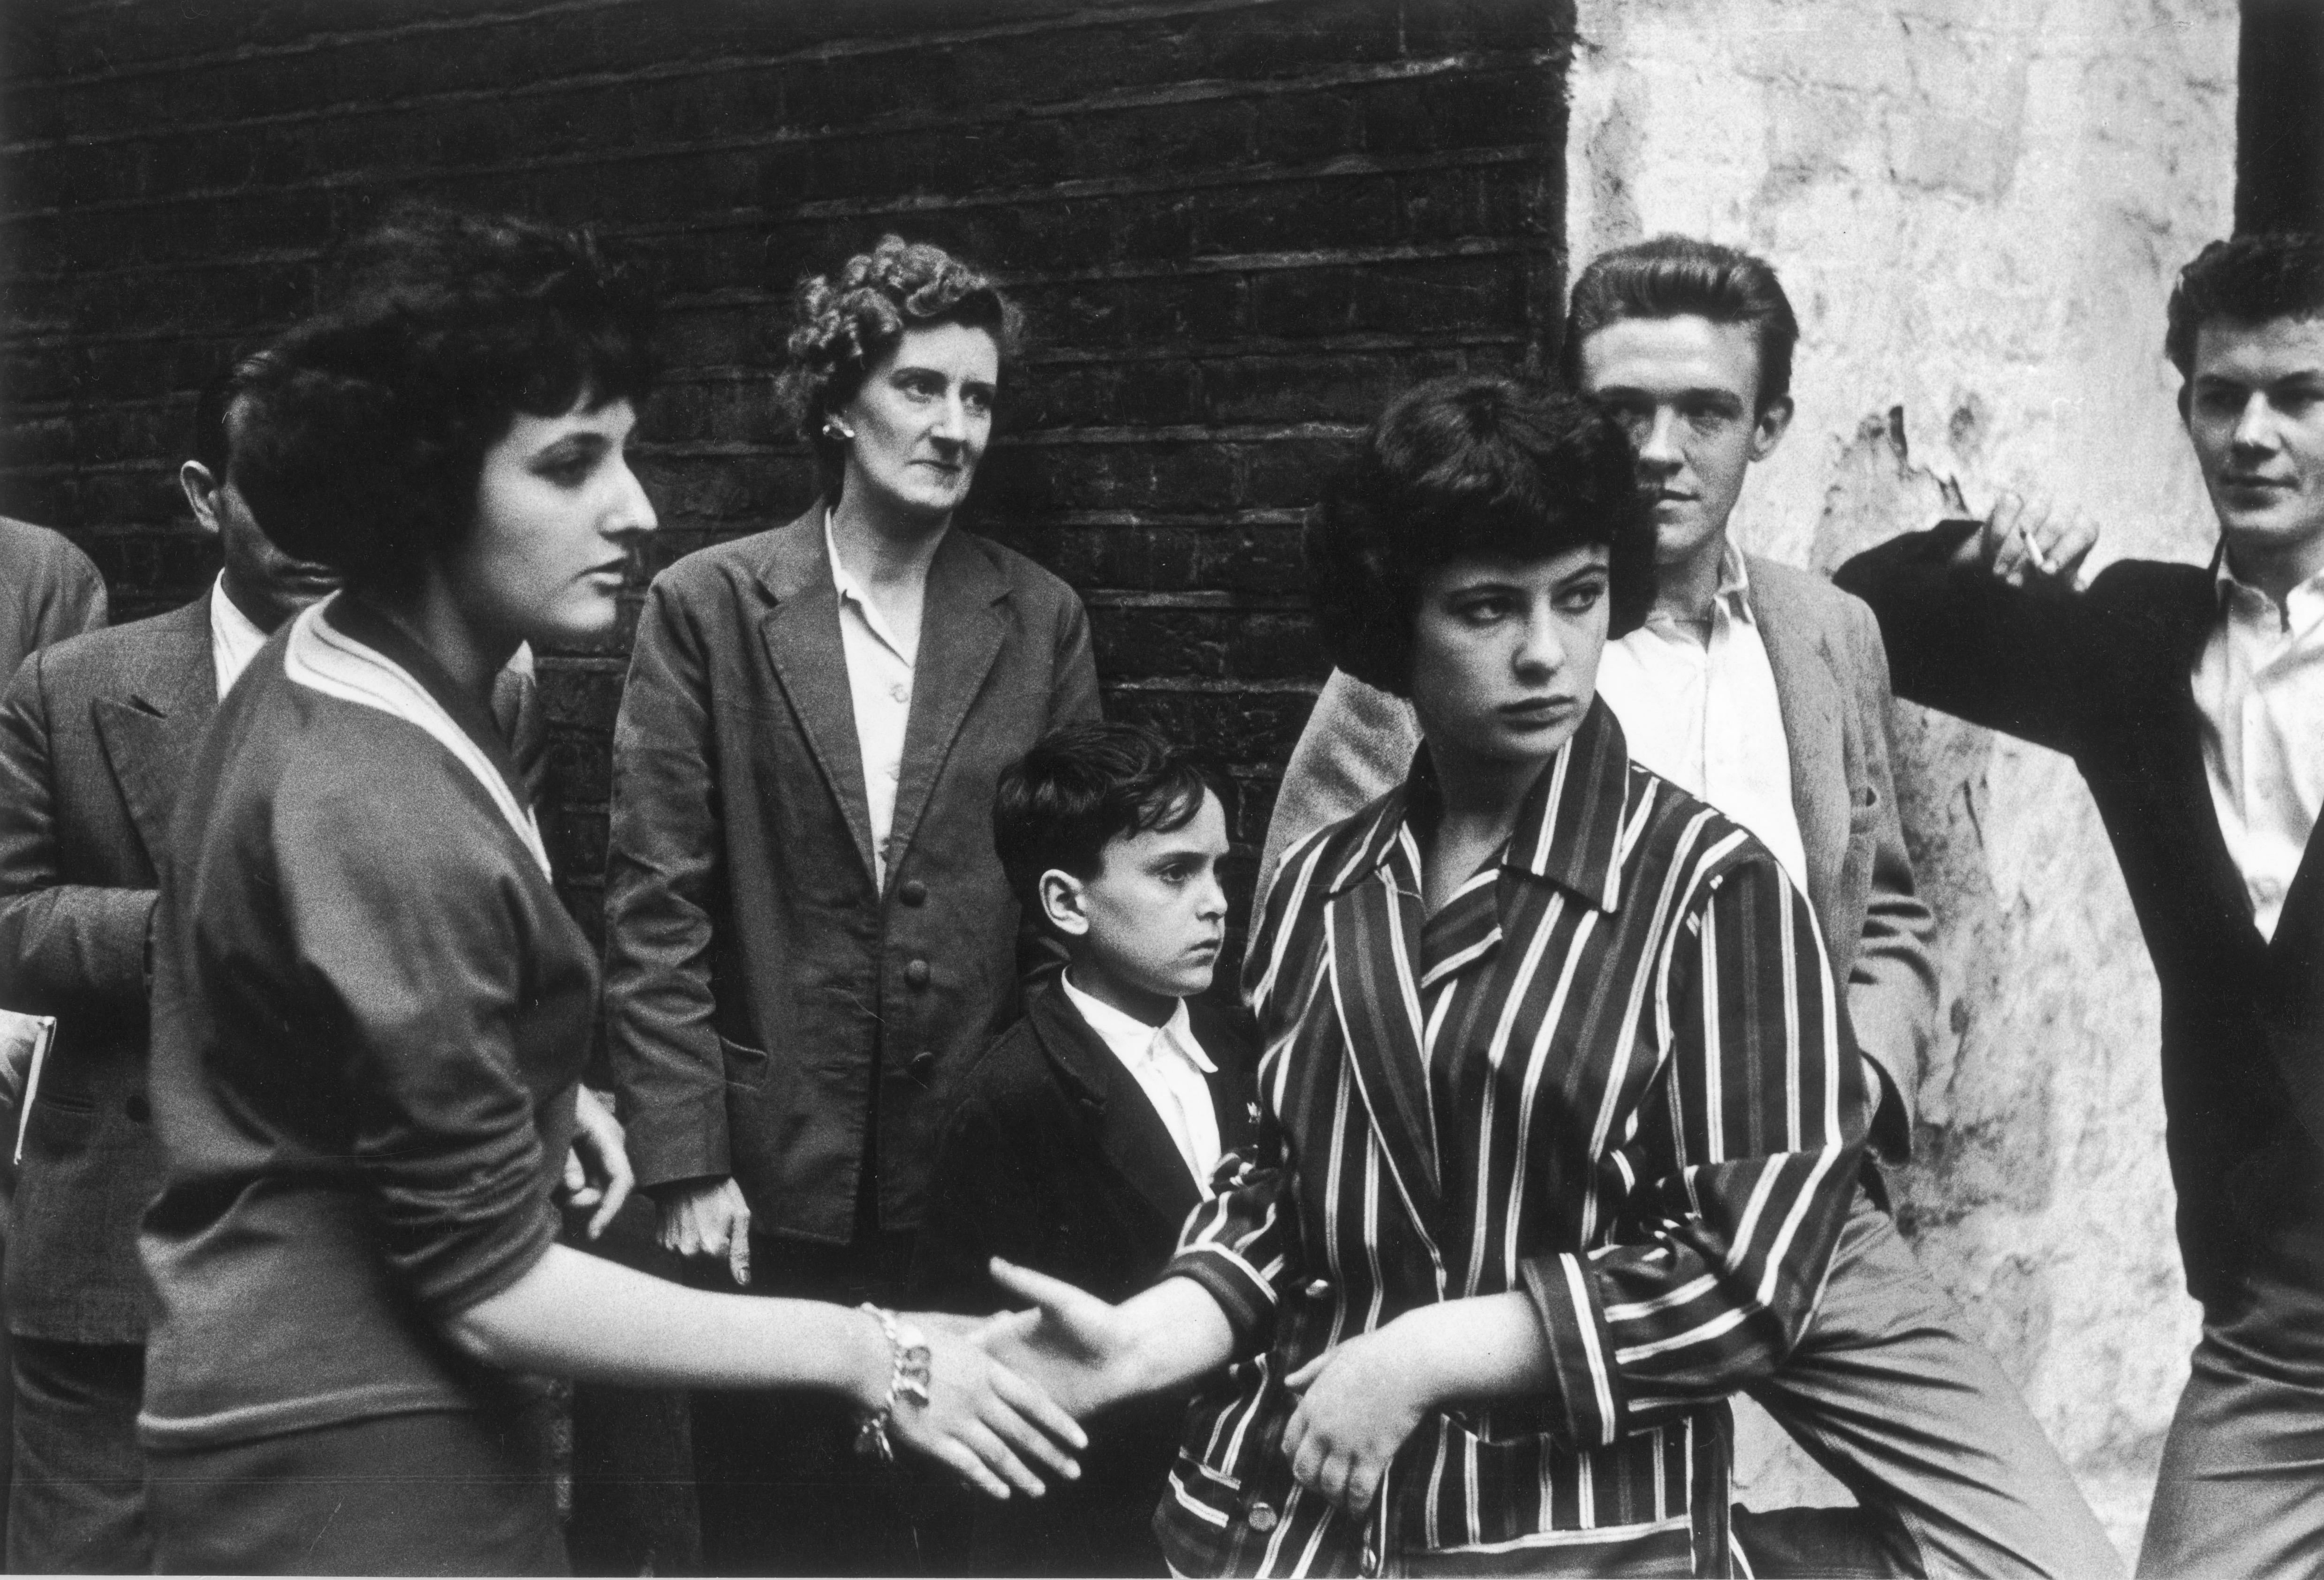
point(1236, 225)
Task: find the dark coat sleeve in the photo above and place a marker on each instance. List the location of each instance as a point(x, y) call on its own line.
point(2026, 663)
point(664, 855)
point(63, 946)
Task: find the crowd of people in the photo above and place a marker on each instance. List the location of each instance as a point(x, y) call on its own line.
point(1583, 1004)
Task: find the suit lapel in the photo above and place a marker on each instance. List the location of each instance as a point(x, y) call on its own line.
point(1808, 696)
point(150, 732)
point(961, 634)
point(803, 643)
point(1130, 1136)
point(1372, 941)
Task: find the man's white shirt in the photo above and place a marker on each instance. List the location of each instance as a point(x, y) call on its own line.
point(234, 638)
point(1169, 1065)
point(2259, 685)
point(1705, 715)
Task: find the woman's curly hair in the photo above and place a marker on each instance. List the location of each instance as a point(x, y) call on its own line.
point(1470, 465)
point(364, 427)
point(847, 321)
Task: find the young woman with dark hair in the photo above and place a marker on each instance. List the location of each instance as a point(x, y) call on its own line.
point(1559, 1120)
point(807, 932)
point(371, 1007)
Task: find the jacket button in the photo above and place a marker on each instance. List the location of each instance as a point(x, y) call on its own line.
point(136, 1107)
point(916, 972)
point(912, 891)
point(1262, 1518)
point(1319, 1289)
point(923, 1066)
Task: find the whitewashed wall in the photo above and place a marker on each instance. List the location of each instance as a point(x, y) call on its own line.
point(1978, 208)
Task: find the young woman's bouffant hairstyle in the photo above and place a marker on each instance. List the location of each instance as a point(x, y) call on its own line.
point(1470, 465)
point(2250, 279)
point(1674, 276)
point(847, 321)
point(364, 428)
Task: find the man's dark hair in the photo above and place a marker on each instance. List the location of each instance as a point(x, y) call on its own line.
point(2249, 279)
point(1674, 276)
point(213, 438)
point(1084, 785)
point(1462, 465)
point(364, 428)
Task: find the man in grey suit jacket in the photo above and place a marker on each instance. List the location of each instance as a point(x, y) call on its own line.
point(96, 735)
point(1764, 690)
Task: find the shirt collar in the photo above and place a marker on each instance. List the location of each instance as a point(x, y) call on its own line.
point(852, 592)
point(1131, 1038)
point(1569, 830)
point(234, 634)
point(1733, 595)
point(2232, 589)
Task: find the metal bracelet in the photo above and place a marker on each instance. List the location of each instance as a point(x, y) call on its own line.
point(908, 1379)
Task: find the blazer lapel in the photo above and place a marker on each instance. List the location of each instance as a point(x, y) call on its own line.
point(1808, 696)
point(961, 635)
point(803, 643)
point(1131, 1137)
point(1372, 943)
point(150, 732)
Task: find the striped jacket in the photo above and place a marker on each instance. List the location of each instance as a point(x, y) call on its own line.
point(1610, 1073)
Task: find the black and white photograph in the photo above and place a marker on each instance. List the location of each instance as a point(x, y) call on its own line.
point(1162, 787)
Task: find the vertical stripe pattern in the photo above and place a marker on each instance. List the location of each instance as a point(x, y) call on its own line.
point(1609, 1073)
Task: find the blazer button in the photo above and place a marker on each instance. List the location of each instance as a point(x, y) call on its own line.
point(916, 972)
point(1319, 1289)
point(1262, 1518)
point(912, 891)
point(137, 1108)
point(923, 1066)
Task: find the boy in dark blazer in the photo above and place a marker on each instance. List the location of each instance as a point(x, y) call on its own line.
point(1087, 1131)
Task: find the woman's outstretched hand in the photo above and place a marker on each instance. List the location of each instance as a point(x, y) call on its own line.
point(984, 1420)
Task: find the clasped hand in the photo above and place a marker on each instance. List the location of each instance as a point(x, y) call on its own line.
point(983, 1418)
point(1360, 1401)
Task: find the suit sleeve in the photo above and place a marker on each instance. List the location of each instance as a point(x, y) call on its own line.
point(1357, 744)
point(2026, 663)
point(398, 903)
point(1730, 1195)
point(64, 947)
point(1892, 986)
point(664, 857)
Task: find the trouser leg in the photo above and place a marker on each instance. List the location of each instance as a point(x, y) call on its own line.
point(1888, 1393)
point(2240, 1495)
point(77, 1496)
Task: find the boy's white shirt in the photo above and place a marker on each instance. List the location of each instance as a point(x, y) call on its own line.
point(1169, 1065)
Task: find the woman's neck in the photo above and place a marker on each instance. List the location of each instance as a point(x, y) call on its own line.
point(429, 615)
point(884, 547)
point(1478, 799)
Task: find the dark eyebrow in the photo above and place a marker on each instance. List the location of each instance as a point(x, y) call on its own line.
point(572, 447)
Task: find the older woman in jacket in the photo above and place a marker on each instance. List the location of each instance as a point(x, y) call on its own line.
point(808, 931)
point(370, 1005)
